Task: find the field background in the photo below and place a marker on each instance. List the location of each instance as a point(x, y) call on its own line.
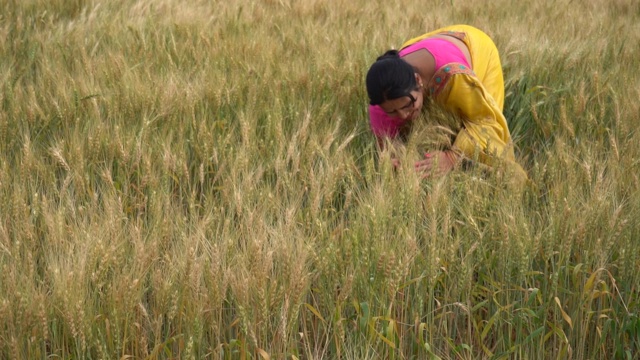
point(196, 179)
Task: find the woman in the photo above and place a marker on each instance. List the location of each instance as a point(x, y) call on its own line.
point(459, 68)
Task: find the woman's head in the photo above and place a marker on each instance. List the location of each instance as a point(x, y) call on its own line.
point(393, 84)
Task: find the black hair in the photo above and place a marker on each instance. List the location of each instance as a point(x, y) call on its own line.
point(390, 77)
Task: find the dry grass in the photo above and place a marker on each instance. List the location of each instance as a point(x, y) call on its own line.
point(197, 180)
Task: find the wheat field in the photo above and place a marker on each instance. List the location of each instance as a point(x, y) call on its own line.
point(197, 180)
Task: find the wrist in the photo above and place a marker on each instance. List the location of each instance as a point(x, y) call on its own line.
point(454, 158)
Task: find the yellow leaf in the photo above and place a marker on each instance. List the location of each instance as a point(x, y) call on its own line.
point(421, 329)
point(263, 354)
point(390, 329)
point(590, 281)
point(315, 312)
point(596, 294)
point(564, 314)
point(383, 338)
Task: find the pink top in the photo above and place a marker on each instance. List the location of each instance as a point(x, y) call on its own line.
point(444, 52)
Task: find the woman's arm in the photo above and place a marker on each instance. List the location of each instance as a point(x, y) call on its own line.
point(485, 135)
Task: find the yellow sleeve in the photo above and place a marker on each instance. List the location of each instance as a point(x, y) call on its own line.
point(485, 133)
point(485, 128)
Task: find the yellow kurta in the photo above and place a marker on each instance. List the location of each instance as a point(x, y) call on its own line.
point(477, 96)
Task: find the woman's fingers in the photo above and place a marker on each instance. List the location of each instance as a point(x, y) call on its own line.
point(424, 164)
point(434, 163)
point(424, 167)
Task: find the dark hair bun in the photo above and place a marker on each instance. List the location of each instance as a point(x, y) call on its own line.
point(394, 54)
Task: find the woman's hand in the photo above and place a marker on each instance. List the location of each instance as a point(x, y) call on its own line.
point(437, 163)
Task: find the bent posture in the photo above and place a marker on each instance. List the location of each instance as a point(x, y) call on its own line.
point(458, 67)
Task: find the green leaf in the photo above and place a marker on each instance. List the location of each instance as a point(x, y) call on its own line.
point(479, 305)
point(364, 318)
point(489, 325)
point(534, 334)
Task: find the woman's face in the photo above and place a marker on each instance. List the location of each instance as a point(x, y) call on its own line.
point(406, 108)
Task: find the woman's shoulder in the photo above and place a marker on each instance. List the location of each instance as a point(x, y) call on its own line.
point(444, 74)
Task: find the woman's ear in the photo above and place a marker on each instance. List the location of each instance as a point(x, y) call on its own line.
point(418, 79)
